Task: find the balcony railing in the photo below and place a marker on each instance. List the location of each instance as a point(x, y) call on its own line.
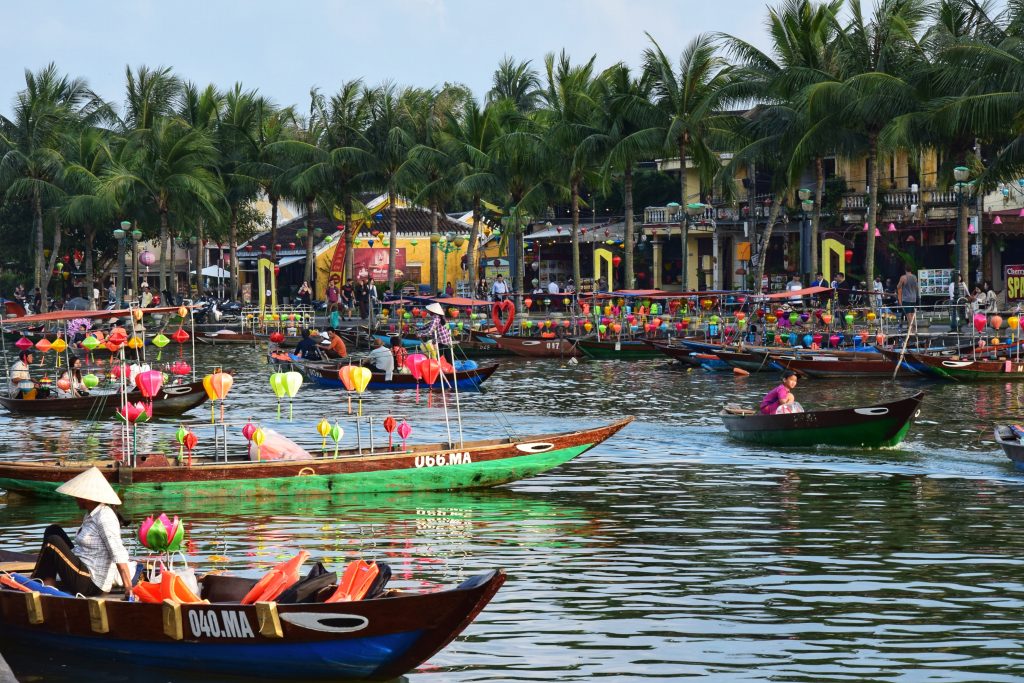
point(903, 199)
point(671, 214)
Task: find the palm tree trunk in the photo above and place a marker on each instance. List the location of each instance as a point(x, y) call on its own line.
point(433, 251)
point(309, 246)
point(471, 250)
point(350, 237)
point(200, 249)
point(819, 193)
point(90, 284)
point(37, 220)
point(515, 245)
point(393, 246)
point(762, 250)
point(575, 187)
point(627, 182)
point(162, 284)
point(684, 272)
point(233, 251)
point(273, 225)
point(44, 303)
point(172, 277)
point(869, 259)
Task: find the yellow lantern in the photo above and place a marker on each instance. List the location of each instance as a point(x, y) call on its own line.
point(1013, 322)
point(135, 343)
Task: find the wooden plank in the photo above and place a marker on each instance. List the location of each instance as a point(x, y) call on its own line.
point(98, 616)
point(269, 621)
point(17, 566)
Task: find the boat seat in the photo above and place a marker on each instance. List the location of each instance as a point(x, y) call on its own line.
point(733, 409)
point(1005, 433)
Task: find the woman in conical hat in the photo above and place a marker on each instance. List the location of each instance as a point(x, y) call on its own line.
point(96, 561)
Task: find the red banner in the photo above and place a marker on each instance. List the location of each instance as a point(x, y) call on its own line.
point(338, 262)
point(373, 263)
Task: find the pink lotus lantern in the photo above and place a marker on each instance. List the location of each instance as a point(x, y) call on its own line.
point(133, 413)
point(161, 534)
point(23, 343)
point(180, 368)
point(149, 383)
point(404, 430)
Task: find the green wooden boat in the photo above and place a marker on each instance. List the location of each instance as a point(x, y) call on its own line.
point(873, 426)
point(430, 467)
point(625, 349)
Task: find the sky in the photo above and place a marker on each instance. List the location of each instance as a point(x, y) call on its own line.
point(285, 48)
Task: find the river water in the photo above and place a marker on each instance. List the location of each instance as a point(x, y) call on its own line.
point(667, 553)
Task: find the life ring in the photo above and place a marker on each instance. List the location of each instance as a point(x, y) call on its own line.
point(497, 309)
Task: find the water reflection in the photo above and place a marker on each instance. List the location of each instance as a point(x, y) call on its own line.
point(671, 551)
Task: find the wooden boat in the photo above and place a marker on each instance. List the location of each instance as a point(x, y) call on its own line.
point(535, 347)
point(873, 426)
point(326, 374)
point(834, 366)
point(621, 349)
point(961, 369)
point(751, 361)
point(372, 639)
point(224, 337)
point(678, 352)
point(428, 467)
point(174, 399)
point(1011, 445)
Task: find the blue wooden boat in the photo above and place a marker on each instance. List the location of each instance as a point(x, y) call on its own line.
point(372, 639)
point(467, 379)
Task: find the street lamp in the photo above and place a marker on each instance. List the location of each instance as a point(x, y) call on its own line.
point(693, 209)
point(963, 190)
point(121, 235)
point(806, 206)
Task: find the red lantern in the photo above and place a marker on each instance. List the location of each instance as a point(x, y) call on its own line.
point(616, 260)
point(291, 245)
point(276, 337)
point(248, 247)
point(277, 270)
point(180, 336)
point(341, 228)
point(263, 247)
point(849, 255)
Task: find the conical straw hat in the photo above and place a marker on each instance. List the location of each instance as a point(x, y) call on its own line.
point(435, 308)
point(90, 485)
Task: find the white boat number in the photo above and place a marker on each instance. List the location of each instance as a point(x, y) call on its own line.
point(226, 624)
point(444, 459)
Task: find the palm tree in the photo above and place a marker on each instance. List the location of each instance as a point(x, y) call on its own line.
point(237, 144)
point(571, 99)
point(467, 141)
point(625, 136)
point(165, 169)
point(690, 102)
point(516, 82)
point(87, 155)
point(50, 106)
point(200, 109)
point(390, 140)
point(520, 166)
point(803, 39)
point(877, 58)
point(970, 87)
